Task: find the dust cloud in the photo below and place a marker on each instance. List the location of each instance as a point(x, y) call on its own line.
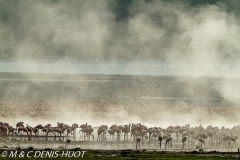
point(205, 37)
point(172, 31)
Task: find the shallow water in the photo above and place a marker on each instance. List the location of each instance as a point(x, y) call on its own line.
point(113, 75)
point(148, 68)
point(176, 146)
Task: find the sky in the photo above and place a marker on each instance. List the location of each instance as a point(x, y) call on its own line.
point(179, 30)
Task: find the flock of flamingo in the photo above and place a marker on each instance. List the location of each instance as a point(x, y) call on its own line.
point(210, 136)
point(131, 133)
